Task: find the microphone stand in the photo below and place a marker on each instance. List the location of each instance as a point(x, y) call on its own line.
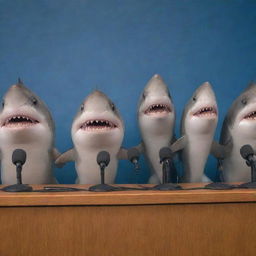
point(253, 171)
point(219, 185)
point(166, 165)
point(133, 155)
point(136, 170)
point(102, 187)
point(137, 175)
point(19, 187)
point(251, 163)
point(18, 171)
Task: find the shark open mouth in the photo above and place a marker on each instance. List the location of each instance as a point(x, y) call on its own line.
point(19, 121)
point(98, 124)
point(205, 112)
point(158, 108)
point(251, 116)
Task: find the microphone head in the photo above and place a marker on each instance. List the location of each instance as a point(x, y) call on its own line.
point(103, 157)
point(19, 156)
point(133, 153)
point(246, 150)
point(165, 153)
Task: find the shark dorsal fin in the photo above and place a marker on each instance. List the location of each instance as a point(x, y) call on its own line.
point(251, 84)
point(20, 81)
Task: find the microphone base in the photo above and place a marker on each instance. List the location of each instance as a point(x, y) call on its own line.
point(248, 185)
point(18, 188)
point(102, 188)
point(219, 186)
point(167, 186)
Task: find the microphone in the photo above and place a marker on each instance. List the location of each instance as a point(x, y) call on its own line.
point(247, 153)
point(103, 159)
point(19, 156)
point(165, 155)
point(18, 159)
point(133, 156)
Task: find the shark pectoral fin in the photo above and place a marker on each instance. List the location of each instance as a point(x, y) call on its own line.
point(55, 153)
point(179, 144)
point(122, 154)
point(140, 148)
point(217, 150)
point(220, 151)
point(174, 138)
point(68, 156)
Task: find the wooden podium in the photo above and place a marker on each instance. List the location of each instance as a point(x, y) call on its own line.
point(188, 222)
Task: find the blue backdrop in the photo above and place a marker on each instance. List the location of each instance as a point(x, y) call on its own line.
point(64, 49)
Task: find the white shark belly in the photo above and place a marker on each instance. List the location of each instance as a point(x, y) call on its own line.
point(234, 166)
point(36, 170)
point(88, 171)
point(194, 157)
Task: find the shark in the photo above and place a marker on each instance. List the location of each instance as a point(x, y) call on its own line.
point(26, 123)
point(156, 119)
point(97, 126)
point(198, 124)
point(238, 129)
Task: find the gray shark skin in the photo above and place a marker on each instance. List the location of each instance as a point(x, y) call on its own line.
point(25, 122)
point(156, 118)
point(97, 126)
point(198, 124)
point(239, 128)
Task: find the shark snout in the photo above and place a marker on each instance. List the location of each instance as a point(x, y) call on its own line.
point(206, 89)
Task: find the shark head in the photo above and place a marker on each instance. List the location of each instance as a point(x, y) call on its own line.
point(200, 114)
point(242, 113)
point(98, 122)
point(24, 116)
point(156, 114)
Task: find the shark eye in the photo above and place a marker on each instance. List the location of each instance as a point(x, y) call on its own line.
point(82, 107)
point(112, 105)
point(144, 95)
point(244, 101)
point(194, 98)
point(2, 104)
point(34, 100)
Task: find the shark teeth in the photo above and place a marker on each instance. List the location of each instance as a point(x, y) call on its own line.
point(251, 115)
point(155, 108)
point(206, 111)
point(98, 124)
point(19, 120)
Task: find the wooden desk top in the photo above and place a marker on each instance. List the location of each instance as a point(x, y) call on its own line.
point(125, 197)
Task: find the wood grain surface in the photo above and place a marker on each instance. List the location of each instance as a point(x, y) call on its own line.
point(181, 229)
point(150, 223)
point(126, 197)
